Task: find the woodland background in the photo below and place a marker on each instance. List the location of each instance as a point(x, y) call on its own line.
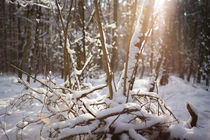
point(32, 38)
point(118, 60)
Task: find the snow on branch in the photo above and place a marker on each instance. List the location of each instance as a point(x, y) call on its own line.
point(47, 4)
point(75, 114)
point(80, 94)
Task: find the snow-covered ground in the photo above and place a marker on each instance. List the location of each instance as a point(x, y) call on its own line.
point(176, 94)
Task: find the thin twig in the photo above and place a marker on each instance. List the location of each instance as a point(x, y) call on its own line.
point(15, 67)
point(89, 110)
point(3, 128)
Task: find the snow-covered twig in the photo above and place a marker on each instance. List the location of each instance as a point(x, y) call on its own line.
point(77, 113)
point(3, 127)
point(84, 93)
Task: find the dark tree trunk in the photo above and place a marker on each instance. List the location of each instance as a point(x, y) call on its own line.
point(157, 71)
point(5, 55)
point(26, 47)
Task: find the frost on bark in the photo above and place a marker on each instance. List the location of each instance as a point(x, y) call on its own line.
point(138, 40)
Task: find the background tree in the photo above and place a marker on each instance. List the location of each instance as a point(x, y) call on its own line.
point(32, 38)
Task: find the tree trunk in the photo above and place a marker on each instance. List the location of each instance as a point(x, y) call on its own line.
point(5, 55)
point(65, 34)
point(190, 71)
point(157, 71)
point(152, 52)
point(136, 48)
point(143, 67)
point(114, 59)
point(26, 47)
point(107, 68)
point(128, 47)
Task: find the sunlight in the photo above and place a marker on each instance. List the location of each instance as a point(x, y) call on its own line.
point(159, 5)
point(104, 69)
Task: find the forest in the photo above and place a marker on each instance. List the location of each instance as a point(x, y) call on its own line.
point(105, 69)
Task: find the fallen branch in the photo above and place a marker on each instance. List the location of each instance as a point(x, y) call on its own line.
point(84, 93)
point(15, 67)
point(194, 116)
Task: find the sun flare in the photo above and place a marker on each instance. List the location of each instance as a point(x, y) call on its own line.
point(159, 5)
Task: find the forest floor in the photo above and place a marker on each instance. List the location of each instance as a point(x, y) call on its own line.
point(175, 94)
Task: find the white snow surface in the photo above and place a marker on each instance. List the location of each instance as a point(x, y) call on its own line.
point(176, 94)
